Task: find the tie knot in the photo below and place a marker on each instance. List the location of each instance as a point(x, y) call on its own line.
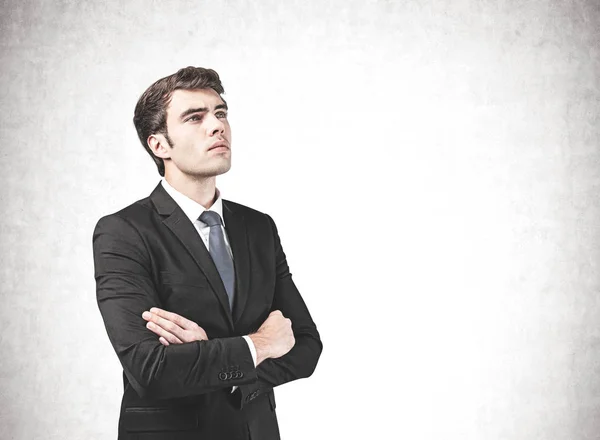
point(211, 218)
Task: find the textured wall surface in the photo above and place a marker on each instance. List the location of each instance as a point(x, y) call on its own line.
point(450, 149)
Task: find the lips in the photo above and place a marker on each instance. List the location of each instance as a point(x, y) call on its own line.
point(219, 144)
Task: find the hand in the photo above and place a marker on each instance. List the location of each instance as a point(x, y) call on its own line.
point(274, 338)
point(173, 328)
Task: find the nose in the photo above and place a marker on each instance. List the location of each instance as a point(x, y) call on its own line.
point(215, 126)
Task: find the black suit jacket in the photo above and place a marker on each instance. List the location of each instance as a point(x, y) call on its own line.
point(149, 254)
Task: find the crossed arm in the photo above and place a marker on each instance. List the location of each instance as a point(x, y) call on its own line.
point(185, 362)
point(273, 339)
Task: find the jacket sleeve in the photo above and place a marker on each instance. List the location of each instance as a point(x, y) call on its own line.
point(124, 290)
point(301, 360)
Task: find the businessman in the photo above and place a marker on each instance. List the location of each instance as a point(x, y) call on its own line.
point(195, 292)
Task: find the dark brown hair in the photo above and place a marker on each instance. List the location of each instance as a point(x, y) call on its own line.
point(150, 116)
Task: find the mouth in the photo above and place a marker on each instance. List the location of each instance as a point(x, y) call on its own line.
point(221, 145)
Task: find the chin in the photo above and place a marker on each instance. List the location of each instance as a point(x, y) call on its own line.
point(212, 171)
point(223, 168)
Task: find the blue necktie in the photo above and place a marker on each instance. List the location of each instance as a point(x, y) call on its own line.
point(218, 252)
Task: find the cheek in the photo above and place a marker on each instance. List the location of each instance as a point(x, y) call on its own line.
point(183, 152)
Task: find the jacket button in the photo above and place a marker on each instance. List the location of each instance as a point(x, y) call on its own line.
point(222, 376)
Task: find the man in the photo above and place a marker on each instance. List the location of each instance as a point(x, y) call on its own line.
point(195, 291)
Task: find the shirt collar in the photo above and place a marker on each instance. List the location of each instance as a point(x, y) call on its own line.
point(191, 208)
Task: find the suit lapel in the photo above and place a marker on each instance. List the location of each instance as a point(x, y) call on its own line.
point(184, 230)
point(238, 240)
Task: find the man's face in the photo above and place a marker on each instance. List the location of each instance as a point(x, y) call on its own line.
point(200, 134)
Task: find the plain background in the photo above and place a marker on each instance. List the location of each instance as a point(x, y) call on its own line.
point(432, 167)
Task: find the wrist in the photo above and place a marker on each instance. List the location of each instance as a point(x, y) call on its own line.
point(261, 344)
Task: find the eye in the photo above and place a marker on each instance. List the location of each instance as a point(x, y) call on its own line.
point(194, 118)
point(221, 114)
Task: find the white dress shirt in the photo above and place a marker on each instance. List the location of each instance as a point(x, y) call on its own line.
point(193, 210)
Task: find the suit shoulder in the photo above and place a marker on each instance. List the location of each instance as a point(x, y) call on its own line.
point(246, 211)
point(138, 211)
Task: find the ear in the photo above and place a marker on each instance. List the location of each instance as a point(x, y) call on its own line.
point(159, 146)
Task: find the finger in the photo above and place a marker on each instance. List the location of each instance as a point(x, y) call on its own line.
point(201, 335)
point(170, 337)
point(276, 312)
point(182, 322)
point(163, 341)
point(167, 325)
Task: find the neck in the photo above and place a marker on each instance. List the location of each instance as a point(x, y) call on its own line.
point(202, 190)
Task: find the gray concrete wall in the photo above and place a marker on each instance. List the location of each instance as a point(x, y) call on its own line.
point(450, 148)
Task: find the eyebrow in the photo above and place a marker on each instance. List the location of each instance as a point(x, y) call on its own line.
point(190, 111)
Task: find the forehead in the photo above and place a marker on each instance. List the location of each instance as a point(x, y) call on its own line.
point(182, 100)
